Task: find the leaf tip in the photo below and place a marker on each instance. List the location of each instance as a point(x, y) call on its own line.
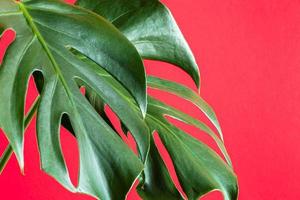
point(144, 110)
point(196, 78)
point(143, 106)
point(141, 98)
point(21, 164)
point(18, 150)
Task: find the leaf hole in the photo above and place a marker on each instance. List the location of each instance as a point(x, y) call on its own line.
point(31, 94)
point(7, 38)
point(115, 121)
point(70, 1)
point(132, 143)
point(39, 81)
point(82, 90)
point(70, 149)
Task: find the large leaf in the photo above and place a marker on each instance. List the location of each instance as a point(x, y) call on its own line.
point(150, 26)
point(199, 168)
point(46, 31)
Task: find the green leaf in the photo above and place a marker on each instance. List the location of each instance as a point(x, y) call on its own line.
point(46, 30)
point(150, 26)
point(199, 169)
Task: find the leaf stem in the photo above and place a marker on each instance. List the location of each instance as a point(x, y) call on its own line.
point(8, 151)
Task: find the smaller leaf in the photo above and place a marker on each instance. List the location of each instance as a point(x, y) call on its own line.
point(152, 183)
point(199, 169)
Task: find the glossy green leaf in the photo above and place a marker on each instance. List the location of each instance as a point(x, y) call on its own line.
point(199, 169)
point(150, 26)
point(46, 31)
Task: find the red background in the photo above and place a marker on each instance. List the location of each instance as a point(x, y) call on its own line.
point(249, 56)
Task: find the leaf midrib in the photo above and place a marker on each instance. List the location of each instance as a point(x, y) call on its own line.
point(42, 41)
point(56, 67)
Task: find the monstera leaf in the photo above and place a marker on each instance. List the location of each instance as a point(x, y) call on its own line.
point(199, 169)
point(46, 31)
point(150, 26)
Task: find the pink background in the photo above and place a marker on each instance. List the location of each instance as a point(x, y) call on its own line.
point(249, 56)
